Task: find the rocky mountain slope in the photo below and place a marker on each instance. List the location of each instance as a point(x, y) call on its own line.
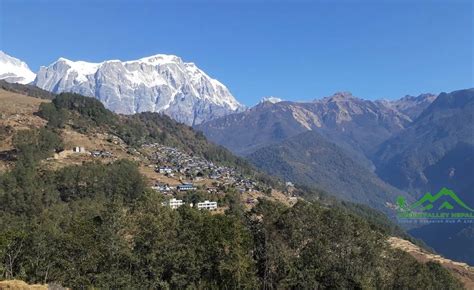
point(410, 105)
point(259, 126)
point(356, 125)
point(14, 70)
point(159, 83)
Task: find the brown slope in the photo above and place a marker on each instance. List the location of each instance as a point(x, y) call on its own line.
point(462, 271)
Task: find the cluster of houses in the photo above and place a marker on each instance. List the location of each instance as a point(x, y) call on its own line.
point(94, 153)
point(205, 205)
point(166, 188)
point(101, 153)
point(173, 162)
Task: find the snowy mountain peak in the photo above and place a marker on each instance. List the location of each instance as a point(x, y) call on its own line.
point(81, 69)
point(14, 70)
point(158, 83)
point(272, 100)
point(158, 59)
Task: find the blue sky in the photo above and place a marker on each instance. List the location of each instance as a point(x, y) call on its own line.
point(296, 50)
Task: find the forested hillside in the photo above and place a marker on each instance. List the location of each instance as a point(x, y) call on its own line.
point(311, 160)
point(97, 225)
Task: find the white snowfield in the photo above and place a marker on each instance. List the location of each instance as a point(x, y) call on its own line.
point(14, 70)
point(158, 83)
point(272, 100)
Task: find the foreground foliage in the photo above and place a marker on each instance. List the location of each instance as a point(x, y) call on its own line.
point(97, 225)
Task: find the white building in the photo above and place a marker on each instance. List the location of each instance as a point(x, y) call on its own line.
point(165, 170)
point(209, 205)
point(175, 203)
point(185, 187)
point(79, 150)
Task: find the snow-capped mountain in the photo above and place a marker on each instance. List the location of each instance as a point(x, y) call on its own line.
point(159, 83)
point(14, 70)
point(272, 100)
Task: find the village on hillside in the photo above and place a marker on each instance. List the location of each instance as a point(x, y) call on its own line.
point(181, 178)
point(174, 174)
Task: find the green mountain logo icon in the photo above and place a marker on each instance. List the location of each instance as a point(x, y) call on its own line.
point(446, 205)
point(428, 201)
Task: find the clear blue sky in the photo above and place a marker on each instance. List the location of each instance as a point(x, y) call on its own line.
point(291, 49)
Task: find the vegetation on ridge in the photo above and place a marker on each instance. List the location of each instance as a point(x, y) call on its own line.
point(96, 225)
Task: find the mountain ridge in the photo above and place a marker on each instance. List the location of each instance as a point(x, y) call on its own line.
point(355, 124)
point(309, 159)
point(443, 127)
point(157, 83)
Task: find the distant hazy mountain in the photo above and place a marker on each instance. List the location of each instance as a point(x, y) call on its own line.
point(356, 125)
point(159, 83)
point(436, 149)
point(259, 126)
point(309, 159)
point(14, 70)
point(410, 105)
